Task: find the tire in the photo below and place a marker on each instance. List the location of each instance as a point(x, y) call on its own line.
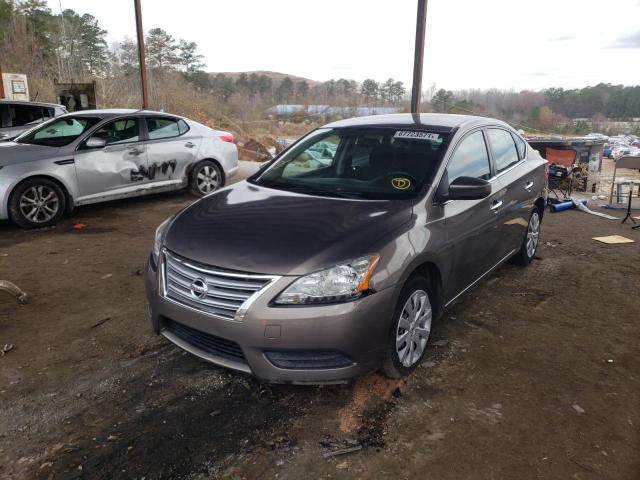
point(205, 178)
point(400, 362)
point(530, 243)
point(36, 203)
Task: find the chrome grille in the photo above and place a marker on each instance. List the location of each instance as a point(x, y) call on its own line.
point(226, 291)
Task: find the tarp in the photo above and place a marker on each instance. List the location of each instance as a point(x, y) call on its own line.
point(565, 158)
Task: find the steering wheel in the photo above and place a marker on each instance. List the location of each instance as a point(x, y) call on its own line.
point(397, 180)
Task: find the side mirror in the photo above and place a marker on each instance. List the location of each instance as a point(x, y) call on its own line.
point(95, 142)
point(469, 188)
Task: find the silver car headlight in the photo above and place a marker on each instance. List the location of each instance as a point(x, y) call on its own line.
point(340, 283)
point(159, 238)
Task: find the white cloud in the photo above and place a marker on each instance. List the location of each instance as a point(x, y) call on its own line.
point(470, 44)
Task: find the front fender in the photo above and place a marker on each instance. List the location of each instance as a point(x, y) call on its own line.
point(63, 174)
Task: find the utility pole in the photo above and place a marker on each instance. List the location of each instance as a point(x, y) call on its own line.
point(141, 57)
point(1, 84)
point(418, 58)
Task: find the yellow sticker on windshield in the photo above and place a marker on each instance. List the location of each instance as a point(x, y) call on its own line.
point(400, 183)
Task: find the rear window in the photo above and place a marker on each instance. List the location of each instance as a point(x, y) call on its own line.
point(183, 127)
point(21, 115)
point(521, 146)
point(162, 127)
point(503, 149)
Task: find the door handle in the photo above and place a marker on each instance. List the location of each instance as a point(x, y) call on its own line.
point(496, 206)
point(528, 186)
point(134, 151)
point(189, 145)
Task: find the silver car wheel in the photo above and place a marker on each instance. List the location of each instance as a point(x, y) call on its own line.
point(533, 232)
point(207, 179)
point(39, 204)
point(414, 327)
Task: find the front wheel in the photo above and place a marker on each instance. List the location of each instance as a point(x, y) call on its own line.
point(530, 243)
point(37, 202)
point(410, 329)
point(205, 178)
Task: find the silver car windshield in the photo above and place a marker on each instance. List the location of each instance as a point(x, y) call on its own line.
point(371, 163)
point(58, 133)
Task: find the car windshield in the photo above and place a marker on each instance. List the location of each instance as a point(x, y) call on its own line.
point(58, 133)
point(369, 163)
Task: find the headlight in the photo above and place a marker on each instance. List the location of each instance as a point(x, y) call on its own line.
point(159, 237)
point(340, 283)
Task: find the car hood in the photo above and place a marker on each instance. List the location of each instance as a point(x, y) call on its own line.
point(12, 152)
point(261, 230)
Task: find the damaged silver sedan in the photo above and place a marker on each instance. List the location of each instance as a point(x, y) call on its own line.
point(100, 155)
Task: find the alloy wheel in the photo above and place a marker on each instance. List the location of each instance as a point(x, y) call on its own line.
point(414, 327)
point(39, 204)
point(207, 179)
point(533, 232)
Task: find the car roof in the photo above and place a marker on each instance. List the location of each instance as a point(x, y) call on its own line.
point(24, 102)
point(117, 112)
point(438, 121)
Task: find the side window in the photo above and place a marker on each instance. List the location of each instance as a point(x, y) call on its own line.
point(503, 149)
point(48, 113)
point(520, 145)
point(125, 130)
point(317, 156)
point(160, 127)
point(5, 118)
point(26, 114)
point(183, 127)
point(470, 159)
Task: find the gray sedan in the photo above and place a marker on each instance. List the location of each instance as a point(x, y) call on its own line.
point(335, 258)
point(100, 155)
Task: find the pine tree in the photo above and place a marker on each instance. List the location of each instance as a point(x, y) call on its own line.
point(369, 89)
point(161, 50)
point(189, 60)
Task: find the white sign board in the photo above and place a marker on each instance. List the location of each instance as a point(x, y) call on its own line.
point(15, 86)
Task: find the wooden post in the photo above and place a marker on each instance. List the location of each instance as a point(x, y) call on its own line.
point(141, 56)
point(418, 58)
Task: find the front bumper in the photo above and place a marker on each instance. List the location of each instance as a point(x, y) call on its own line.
point(356, 331)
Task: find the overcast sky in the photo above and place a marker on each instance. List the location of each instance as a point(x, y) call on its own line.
point(469, 43)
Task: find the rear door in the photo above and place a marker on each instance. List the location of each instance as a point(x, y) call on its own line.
point(171, 148)
point(116, 169)
point(471, 225)
point(519, 181)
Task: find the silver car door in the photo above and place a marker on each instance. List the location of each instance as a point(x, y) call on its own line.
point(171, 148)
point(115, 169)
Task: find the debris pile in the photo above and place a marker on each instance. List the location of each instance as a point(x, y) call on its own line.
point(259, 148)
point(253, 149)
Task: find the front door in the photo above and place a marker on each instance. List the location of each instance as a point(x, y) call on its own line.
point(118, 168)
point(171, 149)
point(471, 225)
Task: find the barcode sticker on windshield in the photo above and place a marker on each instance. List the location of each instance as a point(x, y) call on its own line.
point(416, 135)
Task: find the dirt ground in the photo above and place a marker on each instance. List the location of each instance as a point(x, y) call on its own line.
point(534, 374)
